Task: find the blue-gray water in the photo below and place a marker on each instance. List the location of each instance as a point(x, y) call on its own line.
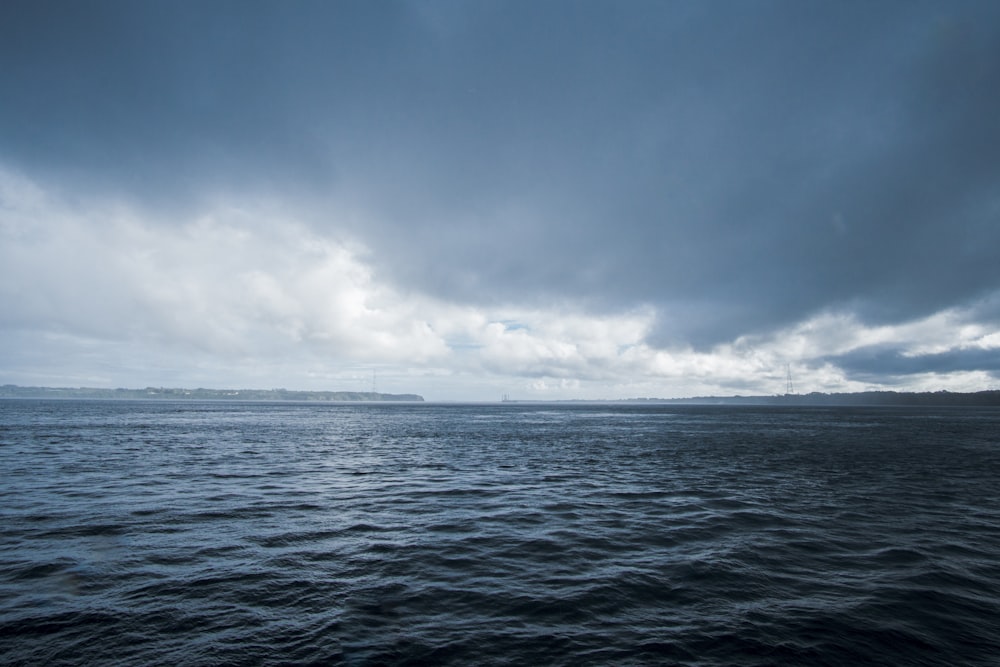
point(226, 533)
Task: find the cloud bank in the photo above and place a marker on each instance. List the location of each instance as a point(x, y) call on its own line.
point(561, 200)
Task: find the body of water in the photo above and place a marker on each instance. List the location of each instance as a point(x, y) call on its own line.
point(364, 534)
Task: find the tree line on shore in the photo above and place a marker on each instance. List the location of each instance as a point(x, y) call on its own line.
point(872, 398)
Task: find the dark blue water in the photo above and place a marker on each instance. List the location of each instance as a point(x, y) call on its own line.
point(219, 533)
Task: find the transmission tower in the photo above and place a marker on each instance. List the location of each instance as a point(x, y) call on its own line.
point(789, 388)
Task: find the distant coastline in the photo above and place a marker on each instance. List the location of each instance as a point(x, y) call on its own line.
point(872, 398)
point(989, 398)
point(163, 393)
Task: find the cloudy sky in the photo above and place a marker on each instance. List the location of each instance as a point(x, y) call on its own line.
point(548, 199)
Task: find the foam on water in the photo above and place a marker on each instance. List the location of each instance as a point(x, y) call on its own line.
point(220, 533)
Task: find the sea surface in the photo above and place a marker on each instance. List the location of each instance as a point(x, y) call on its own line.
point(219, 533)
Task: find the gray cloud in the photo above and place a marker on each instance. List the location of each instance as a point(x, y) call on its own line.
point(876, 363)
point(738, 166)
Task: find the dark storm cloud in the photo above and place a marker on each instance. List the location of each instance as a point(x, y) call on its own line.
point(162, 97)
point(876, 363)
point(740, 166)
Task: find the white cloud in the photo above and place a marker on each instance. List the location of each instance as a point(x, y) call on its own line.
point(250, 286)
point(100, 293)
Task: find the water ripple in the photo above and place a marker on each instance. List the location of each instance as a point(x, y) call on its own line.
point(222, 533)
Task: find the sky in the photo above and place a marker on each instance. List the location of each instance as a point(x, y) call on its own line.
point(463, 199)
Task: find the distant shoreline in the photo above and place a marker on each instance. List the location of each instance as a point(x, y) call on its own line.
point(988, 398)
point(865, 398)
point(164, 393)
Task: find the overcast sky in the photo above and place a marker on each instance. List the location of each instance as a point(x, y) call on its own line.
point(548, 199)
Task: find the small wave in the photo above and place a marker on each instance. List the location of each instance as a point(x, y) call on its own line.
point(440, 535)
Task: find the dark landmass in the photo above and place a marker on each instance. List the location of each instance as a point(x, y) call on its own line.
point(870, 398)
point(14, 391)
point(873, 398)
